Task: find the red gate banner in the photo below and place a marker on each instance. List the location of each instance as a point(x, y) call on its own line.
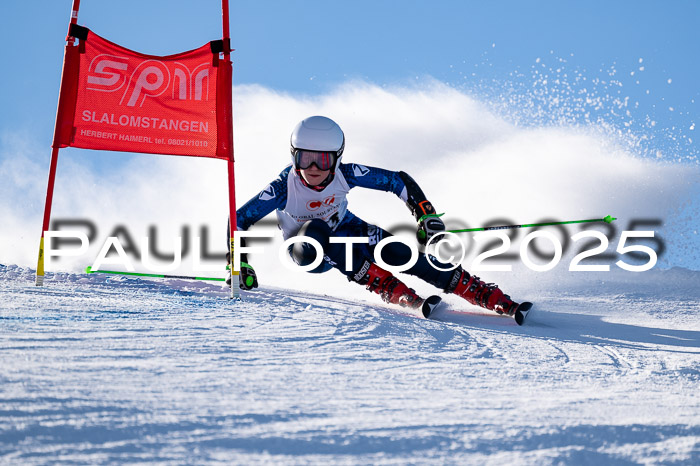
point(120, 100)
point(115, 99)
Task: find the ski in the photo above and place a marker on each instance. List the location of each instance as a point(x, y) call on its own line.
point(430, 304)
point(433, 302)
point(521, 312)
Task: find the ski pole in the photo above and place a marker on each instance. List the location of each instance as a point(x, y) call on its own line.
point(137, 274)
point(607, 219)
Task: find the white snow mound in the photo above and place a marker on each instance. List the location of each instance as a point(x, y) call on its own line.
point(104, 369)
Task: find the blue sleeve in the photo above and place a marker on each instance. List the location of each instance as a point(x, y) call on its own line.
point(374, 178)
point(273, 197)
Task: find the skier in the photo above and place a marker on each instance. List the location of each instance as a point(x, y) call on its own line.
point(310, 200)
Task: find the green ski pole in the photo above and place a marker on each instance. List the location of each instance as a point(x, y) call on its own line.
point(154, 275)
point(607, 219)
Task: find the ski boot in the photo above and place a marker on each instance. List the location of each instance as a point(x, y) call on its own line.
point(391, 289)
point(486, 295)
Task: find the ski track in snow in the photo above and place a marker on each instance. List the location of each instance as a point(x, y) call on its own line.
point(99, 369)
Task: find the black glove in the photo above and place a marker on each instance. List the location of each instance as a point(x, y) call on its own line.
point(247, 280)
point(429, 223)
point(429, 226)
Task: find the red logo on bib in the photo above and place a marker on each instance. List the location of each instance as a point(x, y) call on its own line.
point(315, 205)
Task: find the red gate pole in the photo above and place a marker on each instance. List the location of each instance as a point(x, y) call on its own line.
point(52, 172)
point(231, 178)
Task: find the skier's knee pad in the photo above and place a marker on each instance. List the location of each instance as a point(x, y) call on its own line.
point(304, 253)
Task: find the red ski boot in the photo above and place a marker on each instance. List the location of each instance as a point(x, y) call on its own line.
point(391, 289)
point(478, 293)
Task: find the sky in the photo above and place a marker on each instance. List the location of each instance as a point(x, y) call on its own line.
point(619, 79)
point(311, 46)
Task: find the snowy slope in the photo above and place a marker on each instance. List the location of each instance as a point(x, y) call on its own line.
point(97, 369)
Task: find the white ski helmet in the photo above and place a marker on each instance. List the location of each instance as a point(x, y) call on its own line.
point(318, 133)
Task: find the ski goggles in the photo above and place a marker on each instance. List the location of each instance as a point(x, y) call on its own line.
point(303, 159)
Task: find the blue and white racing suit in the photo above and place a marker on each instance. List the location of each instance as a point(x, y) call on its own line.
point(325, 213)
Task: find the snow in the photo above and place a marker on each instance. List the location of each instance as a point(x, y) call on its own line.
point(100, 369)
